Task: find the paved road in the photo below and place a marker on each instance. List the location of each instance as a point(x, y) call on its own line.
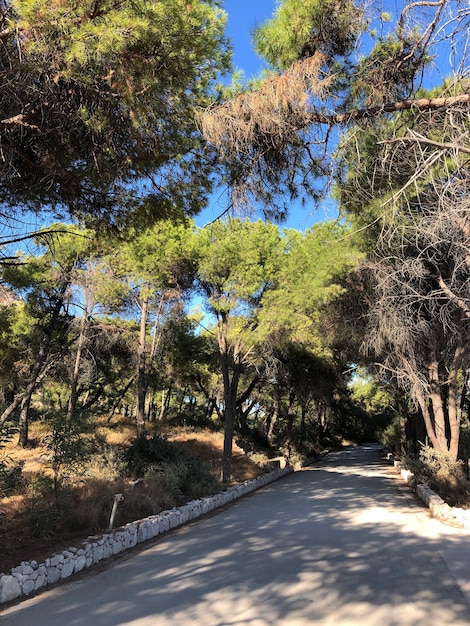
point(343, 542)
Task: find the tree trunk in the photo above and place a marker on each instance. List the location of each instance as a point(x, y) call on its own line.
point(23, 424)
point(78, 357)
point(230, 380)
point(230, 400)
point(453, 408)
point(290, 422)
point(165, 402)
point(38, 371)
point(211, 400)
point(274, 417)
point(422, 402)
point(24, 399)
point(180, 407)
point(243, 413)
point(90, 401)
point(303, 419)
point(141, 371)
point(438, 410)
point(119, 398)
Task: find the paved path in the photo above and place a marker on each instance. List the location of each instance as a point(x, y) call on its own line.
point(343, 542)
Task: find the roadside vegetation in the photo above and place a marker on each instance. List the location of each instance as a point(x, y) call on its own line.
point(153, 474)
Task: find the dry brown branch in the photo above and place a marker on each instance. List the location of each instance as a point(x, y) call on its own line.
point(431, 27)
point(17, 120)
point(414, 137)
point(282, 106)
point(276, 110)
point(452, 296)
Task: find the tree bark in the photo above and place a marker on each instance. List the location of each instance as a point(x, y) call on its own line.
point(72, 403)
point(290, 422)
point(438, 411)
point(230, 380)
point(274, 417)
point(421, 104)
point(453, 402)
point(141, 371)
point(24, 399)
point(165, 402)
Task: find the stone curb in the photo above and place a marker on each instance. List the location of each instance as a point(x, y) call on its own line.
point(30, 576)
point(451, 515)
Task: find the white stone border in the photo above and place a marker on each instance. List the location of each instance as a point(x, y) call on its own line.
point(451, 515)
point(30, 576)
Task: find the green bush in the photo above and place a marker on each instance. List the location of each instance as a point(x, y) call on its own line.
point(184, 479)
point(107, 463)
point(170, 473)
point(393, 436)
point(45, 511)
point(68, 448)
point(11, 477)
point(145, 452)
point(198, 481)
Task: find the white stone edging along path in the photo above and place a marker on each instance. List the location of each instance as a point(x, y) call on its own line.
point(451, 515)
point(30, 576)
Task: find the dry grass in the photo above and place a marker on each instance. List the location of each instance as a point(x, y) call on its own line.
point(33, 457)
point(29, 525)
point(208, 445)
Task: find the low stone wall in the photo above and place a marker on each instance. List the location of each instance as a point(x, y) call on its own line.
point(454, 516)
point(31, 576)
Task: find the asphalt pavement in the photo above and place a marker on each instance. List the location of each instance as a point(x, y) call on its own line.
point(342, 542)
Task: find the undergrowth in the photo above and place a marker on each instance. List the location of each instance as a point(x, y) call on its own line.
point(153, 474)
point(447, 477)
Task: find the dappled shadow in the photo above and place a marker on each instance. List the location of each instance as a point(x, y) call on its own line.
point(338, 543)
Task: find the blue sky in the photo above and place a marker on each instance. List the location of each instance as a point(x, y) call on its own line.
point(243, 17)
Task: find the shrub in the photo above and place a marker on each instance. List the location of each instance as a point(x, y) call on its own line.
point(11, 477)
point(91, 504)
point(11, 472)
point(184, 479)
point(198, 481)
point(442, 474)
point(43, 509)
point(145, 452)
point(393, 436)
point(68, 448)
point(108, 463)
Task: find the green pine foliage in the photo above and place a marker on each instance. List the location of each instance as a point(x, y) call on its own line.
point(103, 100)
point(298, 29)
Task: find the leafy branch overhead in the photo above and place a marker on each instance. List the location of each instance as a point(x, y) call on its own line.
point(98, 97)
point(274, 136)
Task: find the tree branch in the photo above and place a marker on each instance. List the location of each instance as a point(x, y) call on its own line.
point(16, 120)
point(415, 137)
point(421, 104)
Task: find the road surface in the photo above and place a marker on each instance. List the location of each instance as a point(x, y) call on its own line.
point(343, 542)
